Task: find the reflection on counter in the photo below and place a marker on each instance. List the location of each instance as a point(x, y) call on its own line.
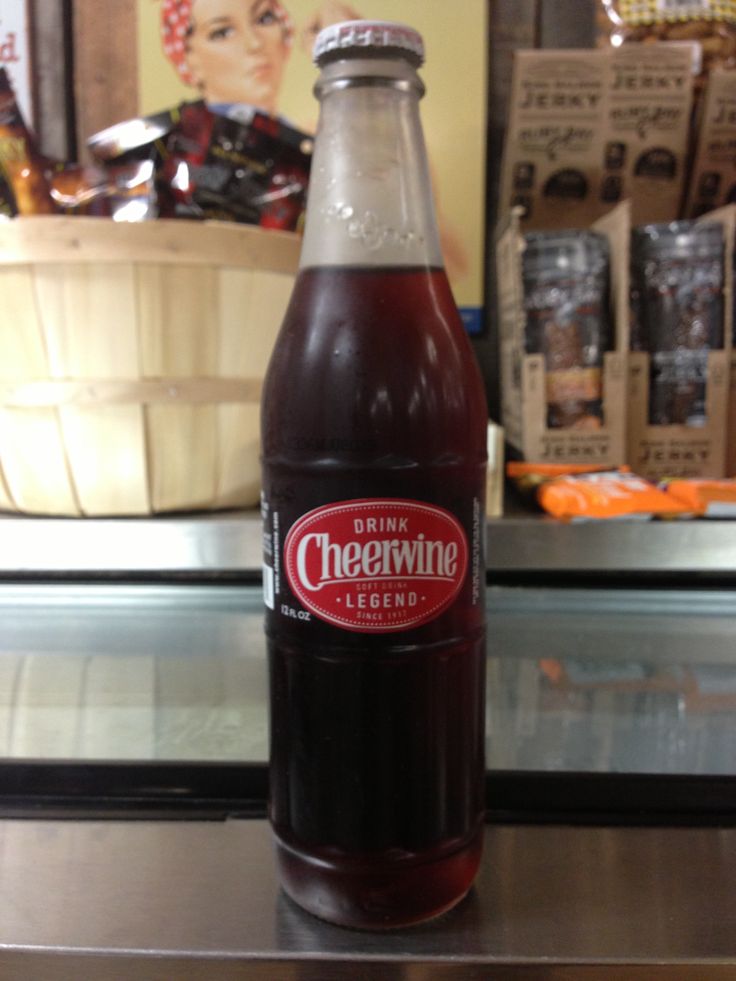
point(612, 716)
point(131, 673)
point(621, 681)
point(578, 680)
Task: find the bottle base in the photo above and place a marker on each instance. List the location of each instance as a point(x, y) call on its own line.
point(376, 896)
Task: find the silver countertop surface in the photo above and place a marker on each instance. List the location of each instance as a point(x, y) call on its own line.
point(231, 541)
point(189, 900)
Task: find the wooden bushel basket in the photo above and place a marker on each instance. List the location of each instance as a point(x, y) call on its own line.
point(131, 362)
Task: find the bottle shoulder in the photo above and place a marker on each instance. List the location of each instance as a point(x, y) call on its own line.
point(391, 328)
point(378, 358)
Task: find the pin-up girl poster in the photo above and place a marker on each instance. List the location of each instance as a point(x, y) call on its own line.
point(235, 52)
point(257, 53)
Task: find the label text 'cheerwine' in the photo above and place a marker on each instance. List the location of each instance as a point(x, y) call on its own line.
point(376, 565)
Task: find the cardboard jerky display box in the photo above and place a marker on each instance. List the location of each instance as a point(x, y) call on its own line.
point(713, 179)
point(527, 383)
point(588, 129)
point(686, 450)
point(648, 128)
point(553, 151)
point(728, 216)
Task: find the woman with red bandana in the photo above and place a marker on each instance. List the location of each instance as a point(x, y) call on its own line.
point(235, 51)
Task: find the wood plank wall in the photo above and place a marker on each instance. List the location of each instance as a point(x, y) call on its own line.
point(51, 77)
point(85, 53)
point(105, 65)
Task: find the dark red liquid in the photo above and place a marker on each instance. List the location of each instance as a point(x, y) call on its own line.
point(377, 762)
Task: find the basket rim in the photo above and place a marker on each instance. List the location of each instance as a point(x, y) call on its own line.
point(43, 239)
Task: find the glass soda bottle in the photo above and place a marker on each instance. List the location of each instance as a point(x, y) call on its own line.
point(374, 457)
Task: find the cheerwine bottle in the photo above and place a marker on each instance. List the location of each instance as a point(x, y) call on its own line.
point(374, 456)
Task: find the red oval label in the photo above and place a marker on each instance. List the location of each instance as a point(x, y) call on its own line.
point(376, 565)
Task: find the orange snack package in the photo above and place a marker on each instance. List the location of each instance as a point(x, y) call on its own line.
point(705, 498)
point(527, 478)
point(613, 494)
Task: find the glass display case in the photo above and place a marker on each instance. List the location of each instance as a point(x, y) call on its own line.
point(133, 736)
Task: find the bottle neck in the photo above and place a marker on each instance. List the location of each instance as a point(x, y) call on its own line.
point(370, 200)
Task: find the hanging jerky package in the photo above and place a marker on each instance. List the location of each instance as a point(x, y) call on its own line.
point(24, 188)
point(183, 154)
point(123, 191)
point(289, 154)
point(247, 167)
point(133, 140)
point(172, 141)
point(677, 274)
point(566, 303)
point(254, 172)
point(129, 162)
point(712, 182)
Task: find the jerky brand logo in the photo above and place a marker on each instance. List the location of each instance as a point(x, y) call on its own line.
point(553, 140)
point(374, 566)
point(561, 84)
point(564, 100)
point(635, 80)
point(644, 119)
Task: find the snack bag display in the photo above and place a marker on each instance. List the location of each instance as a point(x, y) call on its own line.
point(24, 188)
point(255, 172)
point(134, 139)
point(613, 494)
point(125, 192)
point(705, 498)
point(527, 478)
point(709, 23)
point(246, 167)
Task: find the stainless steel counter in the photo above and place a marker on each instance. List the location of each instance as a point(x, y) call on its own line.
point(181, 901)
point(231, 542)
